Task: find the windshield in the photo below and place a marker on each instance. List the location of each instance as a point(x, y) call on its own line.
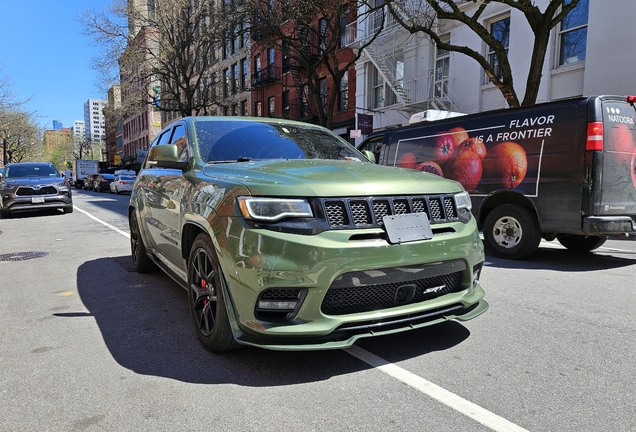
point(31, 171)
point(231, 141)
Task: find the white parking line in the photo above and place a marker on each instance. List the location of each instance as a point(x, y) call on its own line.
point(114, 228)
point(469, 409)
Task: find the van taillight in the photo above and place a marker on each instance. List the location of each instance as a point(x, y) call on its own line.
point(594, 136)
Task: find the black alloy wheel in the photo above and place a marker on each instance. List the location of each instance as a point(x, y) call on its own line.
point(205, 293)
point(141, 262)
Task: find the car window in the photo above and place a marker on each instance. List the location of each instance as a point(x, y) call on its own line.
point(165, 137)
point(126, 178)
point(32, 171)
point(232, 140)
point(179, 139)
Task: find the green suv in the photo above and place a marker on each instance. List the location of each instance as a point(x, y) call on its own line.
point(286, 237)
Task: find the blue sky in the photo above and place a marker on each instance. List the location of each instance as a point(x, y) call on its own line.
point(47, 58)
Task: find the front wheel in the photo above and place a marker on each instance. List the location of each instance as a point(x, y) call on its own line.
point(512, 231)
point(6, 214)
point(141, 261)
point(581, 243)
point(68, 209)
point(206, 296)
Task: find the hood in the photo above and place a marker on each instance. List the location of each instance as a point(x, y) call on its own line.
point(328, 178)
point(33, 181)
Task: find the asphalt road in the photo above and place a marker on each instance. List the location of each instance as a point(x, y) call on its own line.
point(87, 344)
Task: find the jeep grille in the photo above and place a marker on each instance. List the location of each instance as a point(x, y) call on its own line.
point(368, 212)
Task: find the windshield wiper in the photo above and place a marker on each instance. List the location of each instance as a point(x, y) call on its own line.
point(240, 159)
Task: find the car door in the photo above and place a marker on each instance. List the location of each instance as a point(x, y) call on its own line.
point(152, 201)
point(170, 187)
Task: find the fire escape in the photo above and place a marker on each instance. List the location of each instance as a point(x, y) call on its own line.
point(394, 53)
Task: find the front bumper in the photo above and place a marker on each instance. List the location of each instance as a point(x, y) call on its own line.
point(19, 203)
point(259, 260)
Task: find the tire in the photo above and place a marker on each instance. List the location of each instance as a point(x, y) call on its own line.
point(68, 209)
point(581, 243)
point(206, 297)
point(141, 261)
point(512, 231)
point(6, 214)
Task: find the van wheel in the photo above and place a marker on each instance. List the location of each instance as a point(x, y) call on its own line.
point(581, 243)
point(207, 299)
point(512, 231)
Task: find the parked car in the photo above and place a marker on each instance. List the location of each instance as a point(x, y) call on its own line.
point(102, 182)
point(33, 185)
point(89, 181)
point(286, 237)
point(122, 183)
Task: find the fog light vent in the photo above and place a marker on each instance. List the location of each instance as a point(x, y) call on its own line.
point(279, 304)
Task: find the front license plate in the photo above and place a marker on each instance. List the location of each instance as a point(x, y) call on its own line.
point(37, 200)
point(407, 227)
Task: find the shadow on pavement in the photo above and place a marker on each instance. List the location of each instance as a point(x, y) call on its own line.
point(565, 260)
point(146, 325)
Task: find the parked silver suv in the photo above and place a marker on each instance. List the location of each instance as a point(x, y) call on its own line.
point(33, 185)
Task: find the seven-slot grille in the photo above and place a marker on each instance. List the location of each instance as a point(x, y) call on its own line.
point(28, 191)
point(365, 212)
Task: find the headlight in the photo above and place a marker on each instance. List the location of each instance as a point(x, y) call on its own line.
point(464, 206)
point(462, 200)
point(273, 209)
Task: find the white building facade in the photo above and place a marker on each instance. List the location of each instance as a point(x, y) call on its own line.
point(94, 121)
point(591, 53)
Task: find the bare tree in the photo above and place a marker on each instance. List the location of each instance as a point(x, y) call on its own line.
point(429, 16)
point(311, 34)
point(166, 52)
point(22, 134)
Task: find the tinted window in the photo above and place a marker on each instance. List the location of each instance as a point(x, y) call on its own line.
point(231, 140)
point(179, 139)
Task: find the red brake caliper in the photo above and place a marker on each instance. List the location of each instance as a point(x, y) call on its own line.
point(204, 285)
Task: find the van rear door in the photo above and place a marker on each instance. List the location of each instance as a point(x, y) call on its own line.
point(617, 195)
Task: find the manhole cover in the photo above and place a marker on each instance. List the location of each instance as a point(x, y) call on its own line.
point(22, 256)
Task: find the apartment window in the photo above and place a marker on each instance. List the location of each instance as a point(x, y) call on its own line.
point(271, 58)
point(244, 108)
point(235, 78)
point(500, 31)
point(270, 106)
point(324, 34)
point(442, 67)
point(245, 34)
point(345, 37)
point(343, 95)
point(573, 34)
point(225, 42)
point(234, 110)
point(213, 87)
point(322, 85)
point(244, 82)
point(378, 89)
point(236, 39)
point(226, 83)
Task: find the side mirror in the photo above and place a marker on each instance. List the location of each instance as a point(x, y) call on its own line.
point(369, 155)
point(165, 156)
